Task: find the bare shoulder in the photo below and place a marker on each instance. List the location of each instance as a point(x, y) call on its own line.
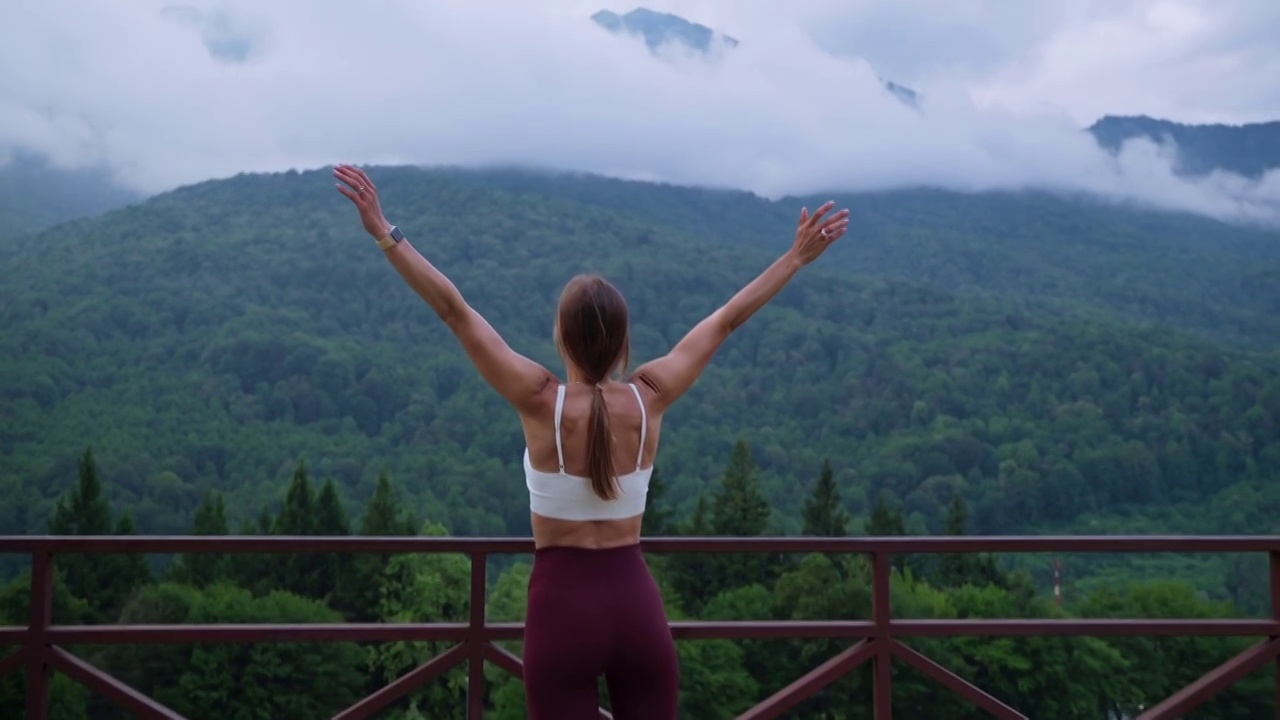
point(542, 403)
point(646, 381)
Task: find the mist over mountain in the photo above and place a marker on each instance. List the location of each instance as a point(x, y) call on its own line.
point(36, 194)
point(788, 110)
point(661, 29)
point(1250, 150)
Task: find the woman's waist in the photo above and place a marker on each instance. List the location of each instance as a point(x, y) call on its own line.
point(585, 534)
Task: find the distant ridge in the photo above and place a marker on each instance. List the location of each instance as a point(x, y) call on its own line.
point(1250, 150)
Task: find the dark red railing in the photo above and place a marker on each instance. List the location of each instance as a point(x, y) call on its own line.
point(877, 639)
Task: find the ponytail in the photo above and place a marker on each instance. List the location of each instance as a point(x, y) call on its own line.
point(592, 335)
point(600, 448)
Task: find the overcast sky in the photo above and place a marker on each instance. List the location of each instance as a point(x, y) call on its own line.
point(168, 93)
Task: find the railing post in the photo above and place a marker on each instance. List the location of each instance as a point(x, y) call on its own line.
point(475, 641)
point(40, 617)
point(1275, 615)
point(883, 690)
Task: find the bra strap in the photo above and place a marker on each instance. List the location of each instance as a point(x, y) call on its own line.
point(559, 413)
point(644, 422)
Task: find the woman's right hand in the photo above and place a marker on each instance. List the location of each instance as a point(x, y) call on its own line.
point(815, 234)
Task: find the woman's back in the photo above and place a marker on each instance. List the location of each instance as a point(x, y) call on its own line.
point(565, 510)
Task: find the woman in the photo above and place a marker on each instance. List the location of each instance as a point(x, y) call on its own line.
point(593, 607)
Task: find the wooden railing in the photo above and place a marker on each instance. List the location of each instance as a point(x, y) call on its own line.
point(878, 640)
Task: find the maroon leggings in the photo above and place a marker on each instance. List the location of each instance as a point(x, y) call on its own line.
point(594, 612)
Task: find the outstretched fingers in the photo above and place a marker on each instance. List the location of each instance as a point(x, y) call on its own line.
point(839, 220)
point(352, 177)
point(817, 214)
point(359, 188)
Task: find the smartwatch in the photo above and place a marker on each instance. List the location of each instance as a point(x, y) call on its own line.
point(391, 239)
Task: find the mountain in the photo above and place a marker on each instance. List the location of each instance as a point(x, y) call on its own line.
point(195, 346)
point(34, 194)
point(1250, 150)
point(658, 29)
point(905, 94)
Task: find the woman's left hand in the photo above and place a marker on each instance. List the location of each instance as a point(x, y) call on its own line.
point(365, 196)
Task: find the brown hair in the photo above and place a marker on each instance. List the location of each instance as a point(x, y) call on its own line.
point(592, 333)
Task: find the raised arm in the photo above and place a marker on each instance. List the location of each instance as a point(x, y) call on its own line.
point(516, 378)
point(672, 374)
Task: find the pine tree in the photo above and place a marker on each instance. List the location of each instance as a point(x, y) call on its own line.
point(84, 511)
point(258, 573)
point(884, 522)
point(304, 574)
point(296, 515)
point(823, 514)
point(203, 569)
point(359, 591)
point(659, 519)
point(330, 517)
point(740, 509)
point(699, 524)
point(103, 581)
point(127, 572)
point(382, 515)
point(688, 571)
point(955, 569)
point(332, 569)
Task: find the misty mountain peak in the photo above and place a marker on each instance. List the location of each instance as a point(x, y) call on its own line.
point(658, 29)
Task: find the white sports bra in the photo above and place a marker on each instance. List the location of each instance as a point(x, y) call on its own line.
point(562, 496)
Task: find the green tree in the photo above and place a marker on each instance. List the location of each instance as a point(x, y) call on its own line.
point(310, 575)
point(739, 508)
point(331, 520)
point(103, 581)
point(659, 518)
point(686, 573)
point(823, 513)
point(423, 587)
point(202, 569)
point(883, 521)
point(357, 595)
point(955, 569)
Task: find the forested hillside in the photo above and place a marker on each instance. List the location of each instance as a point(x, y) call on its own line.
point(1031, 249)
point(956, 371)
point(214, 335)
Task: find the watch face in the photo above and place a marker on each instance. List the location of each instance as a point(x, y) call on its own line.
point(396, 234)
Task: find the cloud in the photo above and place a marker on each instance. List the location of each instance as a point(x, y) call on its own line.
point(229, 37)
point(167, 94)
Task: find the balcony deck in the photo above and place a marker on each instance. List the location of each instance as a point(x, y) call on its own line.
point(877, 640)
